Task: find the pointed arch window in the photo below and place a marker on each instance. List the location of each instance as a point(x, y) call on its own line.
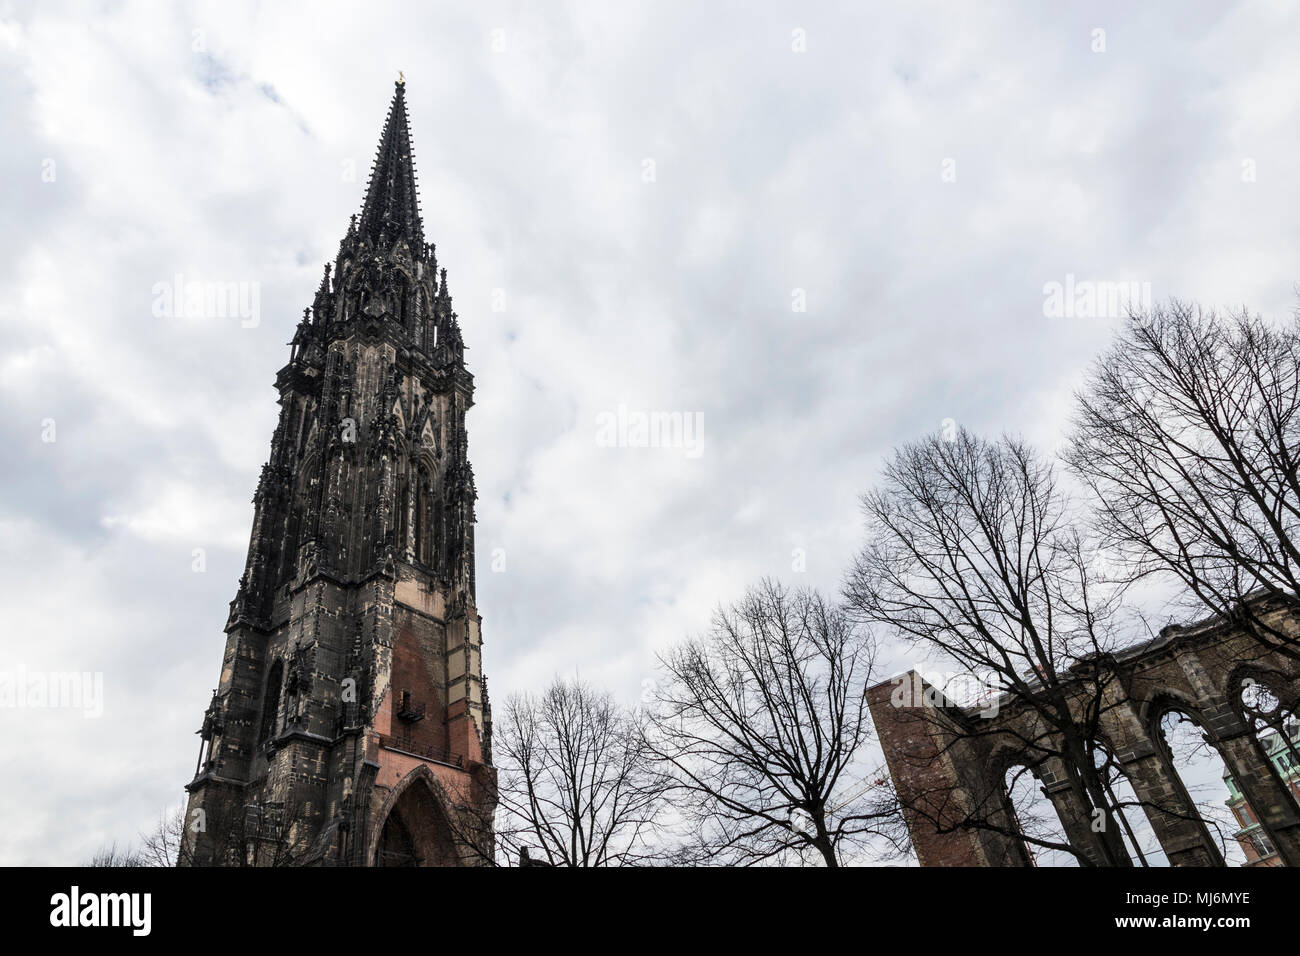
point(403, 513)
point(440, 535)
point(271, 703)
point(1277, 730)
point(1030, 813)
point(1135, 829)
point(399, 298)
point(423, 508)
point(289, 558)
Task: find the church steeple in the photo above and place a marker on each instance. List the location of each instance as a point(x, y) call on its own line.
point(385, 280)
point(356, 617)
point(392, 207)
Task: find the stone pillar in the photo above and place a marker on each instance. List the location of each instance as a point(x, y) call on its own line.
point(1077, 817)
point(1173, 817)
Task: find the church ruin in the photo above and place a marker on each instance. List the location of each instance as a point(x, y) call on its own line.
point(950, 762)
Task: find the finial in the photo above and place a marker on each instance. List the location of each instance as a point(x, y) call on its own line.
point(401, 78)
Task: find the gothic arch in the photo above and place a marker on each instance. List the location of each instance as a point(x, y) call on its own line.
point(1126, 806)
point(1270, 710)
point(1286, 690)
point(426, 482)
point(1007, 751)
point(422, 486)
point(412, 827)
point(295, 518)
point(1153, 708)
point(401, 285)
point(400, 474)
point(1184, 805)
point(424, 456)
point(1027, 808)
point(271, 702)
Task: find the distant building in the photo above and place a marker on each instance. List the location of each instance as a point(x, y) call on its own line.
point(1285, 758)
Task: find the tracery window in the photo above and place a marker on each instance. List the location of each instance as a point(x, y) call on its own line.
point(1276, 728)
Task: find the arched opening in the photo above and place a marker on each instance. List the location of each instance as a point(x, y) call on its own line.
point(423, 505)
point(1139, 838)
point(1276, 731)
point(403, 300)
point(271, 702)
point(1200, 771)
point(1036, 819)
point(289, 557)
point(396, 845)
point(410, 314)
point(441, 552)
point(403, 513)
point(415, 832)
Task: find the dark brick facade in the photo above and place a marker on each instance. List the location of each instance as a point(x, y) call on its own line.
point(351, 725)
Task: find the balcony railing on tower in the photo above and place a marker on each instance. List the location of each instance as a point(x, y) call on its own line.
point(405, 744)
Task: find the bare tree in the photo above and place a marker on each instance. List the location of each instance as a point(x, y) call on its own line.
point(973, 557)
point(164, 844)
point(160, 847)
point(1188, 434)
point(111, 856)
point(575, 780)
point(763, 723)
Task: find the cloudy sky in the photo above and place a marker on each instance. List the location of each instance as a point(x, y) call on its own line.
point(823, 230)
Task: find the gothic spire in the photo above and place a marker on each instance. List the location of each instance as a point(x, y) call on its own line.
point(392, 207)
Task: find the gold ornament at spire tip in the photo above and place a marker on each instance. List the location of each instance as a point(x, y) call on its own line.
point(401, 78)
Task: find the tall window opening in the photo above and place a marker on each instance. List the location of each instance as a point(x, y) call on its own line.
point(1037, 820)
point(271, 702)
point(422, 507)
point(1201, 770)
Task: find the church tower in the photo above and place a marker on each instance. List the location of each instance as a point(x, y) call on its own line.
point(352, 725)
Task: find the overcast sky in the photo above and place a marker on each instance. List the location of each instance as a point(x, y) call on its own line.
point(651, 191)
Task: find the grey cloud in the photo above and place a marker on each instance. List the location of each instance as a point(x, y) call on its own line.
point(775, 170)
